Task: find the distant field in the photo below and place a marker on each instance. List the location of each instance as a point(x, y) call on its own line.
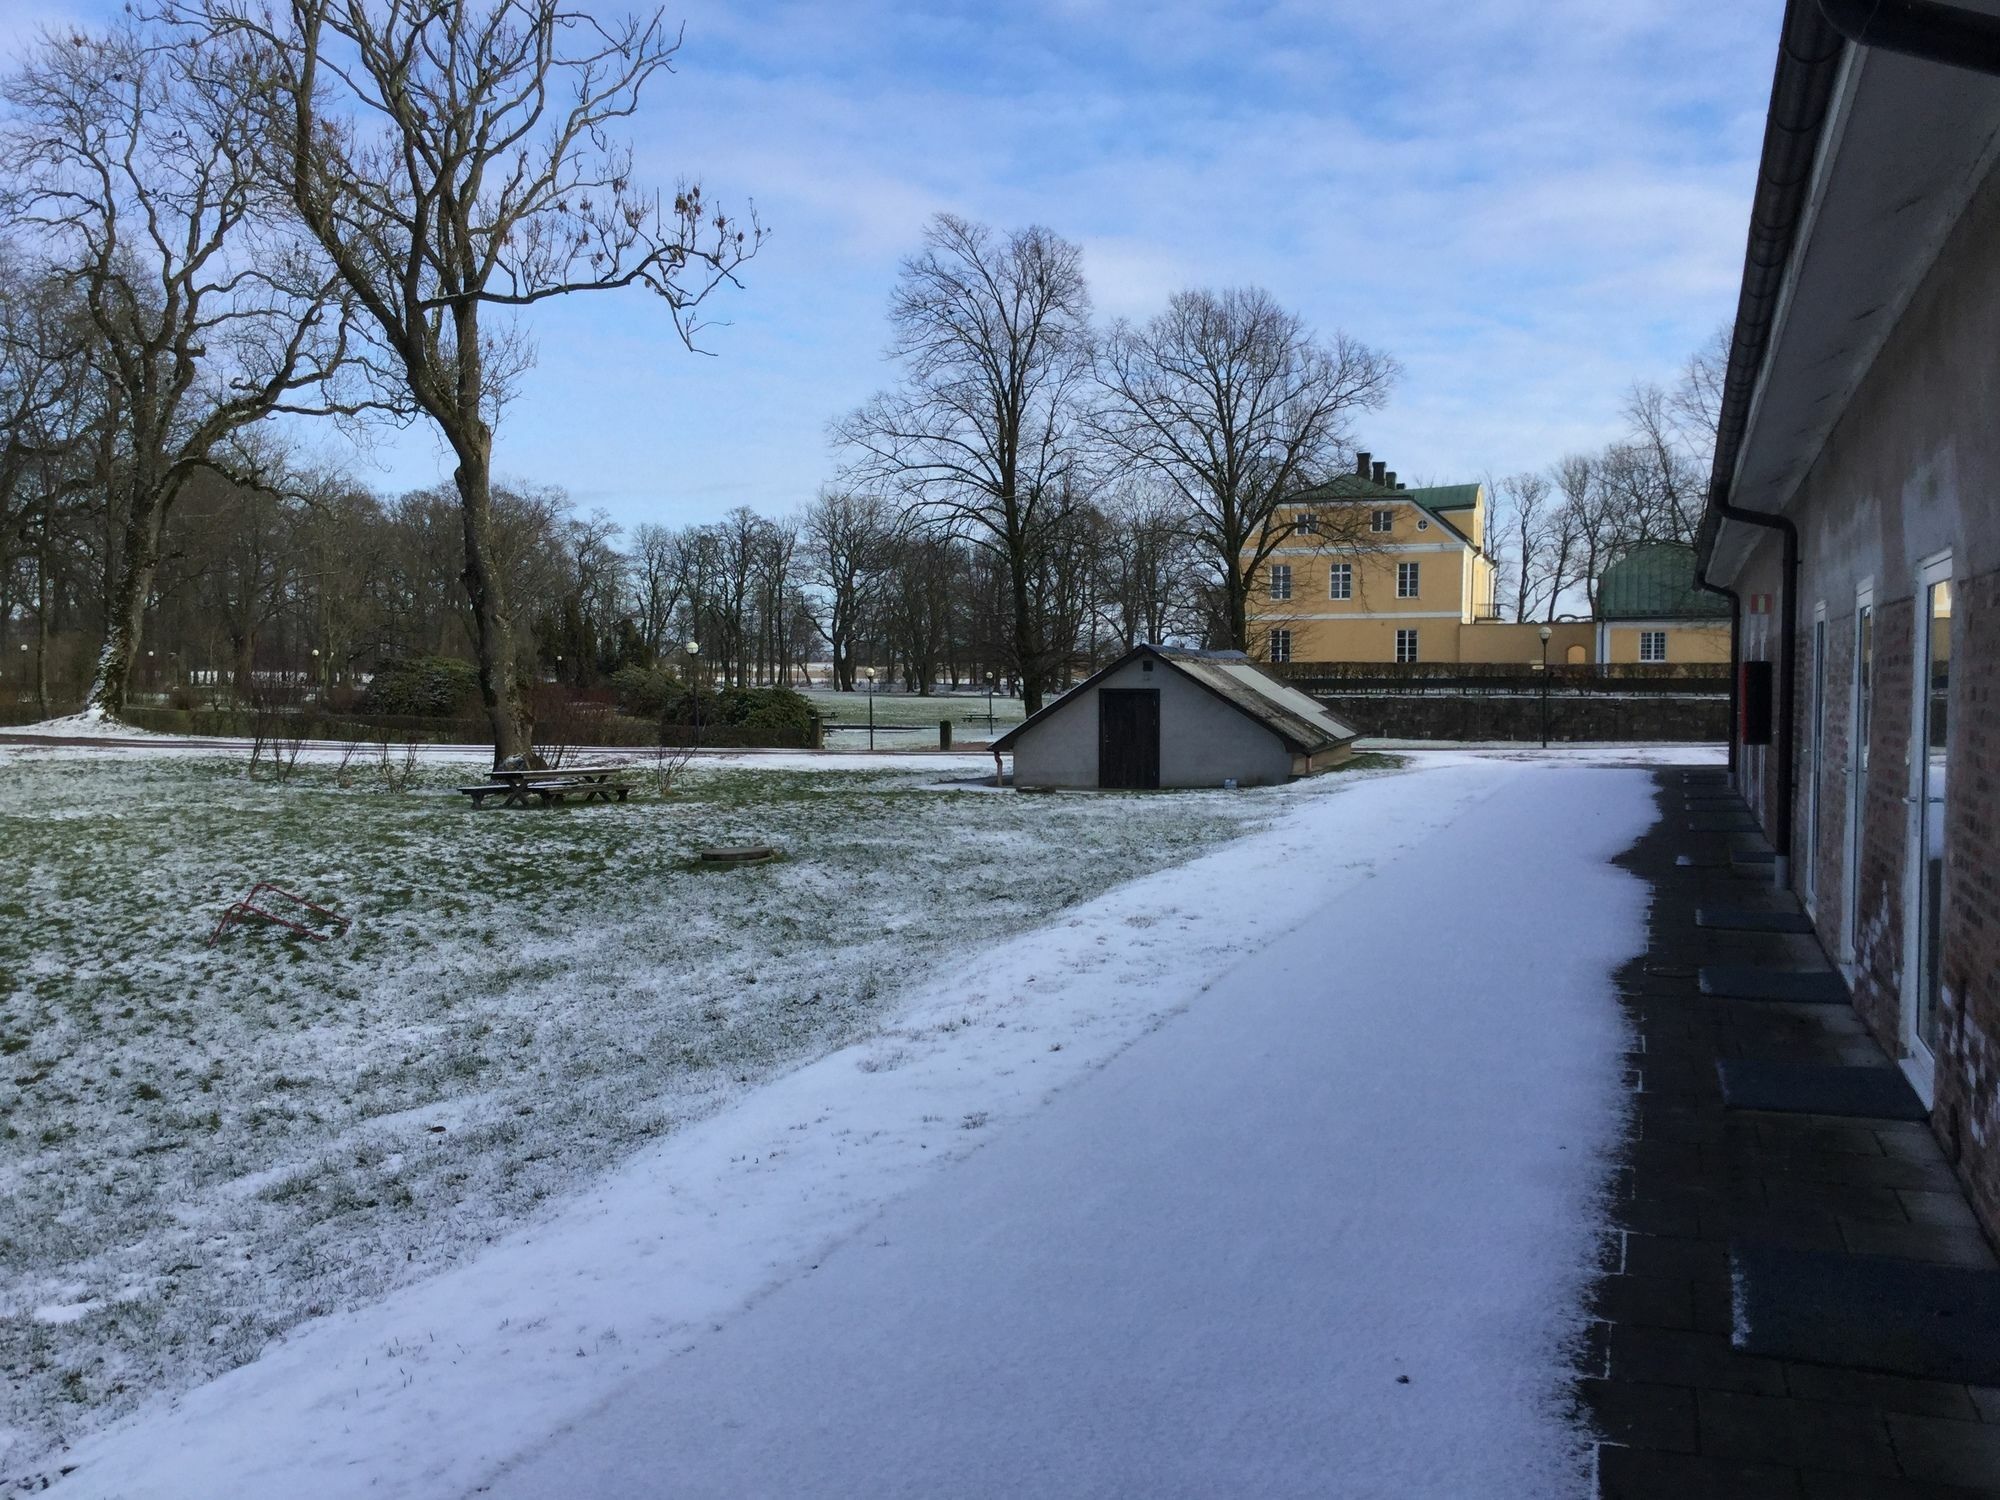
point(200, 1147)
point(910, 718)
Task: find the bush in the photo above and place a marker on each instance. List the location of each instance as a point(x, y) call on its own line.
point(437, 687)
point(644, 692)
point(779, 711)
point(774, 715)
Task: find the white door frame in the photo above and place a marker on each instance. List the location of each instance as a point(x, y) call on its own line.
point(1918, 1062)
point(1816, 740)
point(1858, 728)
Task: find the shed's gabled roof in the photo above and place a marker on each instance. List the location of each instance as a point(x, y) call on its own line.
point(1294, 717)
point(1656, 582)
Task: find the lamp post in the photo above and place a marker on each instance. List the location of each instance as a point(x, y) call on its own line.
point(694, 687)
point(1546, 633)
point(319, 682)
point(869, 673)
point(989, 705)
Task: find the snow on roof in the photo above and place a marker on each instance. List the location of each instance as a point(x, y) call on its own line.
point(1301, 721)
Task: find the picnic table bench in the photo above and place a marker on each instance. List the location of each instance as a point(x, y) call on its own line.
point(551, 786)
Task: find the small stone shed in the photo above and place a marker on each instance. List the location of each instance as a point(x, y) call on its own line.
point(1164, 717)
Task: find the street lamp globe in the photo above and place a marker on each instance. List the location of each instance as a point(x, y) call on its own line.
point(694, 648)
point(1546, 632)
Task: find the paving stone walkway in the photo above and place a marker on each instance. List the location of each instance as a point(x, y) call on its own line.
point(1681, 1412)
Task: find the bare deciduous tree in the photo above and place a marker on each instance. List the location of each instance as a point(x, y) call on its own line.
point(1148, 566)
point(1232, 401)
point(133, 165)
point(456, 157)
point(993, 333)
point(848, 539)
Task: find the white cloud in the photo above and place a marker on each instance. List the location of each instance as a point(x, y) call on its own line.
point(1531, 206)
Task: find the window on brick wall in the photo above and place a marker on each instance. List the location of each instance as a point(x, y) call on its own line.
point(1340, 581)
point(1281, 581)
point(1407, 577)
point(1382, 520)
point(1652, 645)
point(1406, 645)
point(1281, 645)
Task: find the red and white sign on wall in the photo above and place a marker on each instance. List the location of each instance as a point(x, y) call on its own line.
point(1760, 604)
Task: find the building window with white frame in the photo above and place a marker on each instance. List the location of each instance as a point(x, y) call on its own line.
point(1281, 646)
point(1407, 577)
point(1340, 581)
point(1406, 645)
point(1281, 581)
point(1382, 520)
point(1307, 524)
point(1652, 645)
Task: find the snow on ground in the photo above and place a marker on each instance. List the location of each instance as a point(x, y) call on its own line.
point(85, 724)
point(202, 1147)
point(1416, 944)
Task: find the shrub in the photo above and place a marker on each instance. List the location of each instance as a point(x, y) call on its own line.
point(438, 687)
point(774, 715)
point(779, 710)
point(644, 692)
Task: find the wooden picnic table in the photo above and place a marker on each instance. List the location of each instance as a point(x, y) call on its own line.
point(551, 785)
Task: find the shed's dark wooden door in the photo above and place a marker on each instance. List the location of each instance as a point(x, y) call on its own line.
point(1128, 737)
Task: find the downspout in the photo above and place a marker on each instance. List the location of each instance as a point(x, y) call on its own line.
point(1735, 661)
point(1809, 54)
point(1788, 677)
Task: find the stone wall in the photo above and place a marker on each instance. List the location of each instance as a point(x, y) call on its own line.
point(1484, 716)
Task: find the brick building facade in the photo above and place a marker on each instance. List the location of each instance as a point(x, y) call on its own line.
point(1863, 408)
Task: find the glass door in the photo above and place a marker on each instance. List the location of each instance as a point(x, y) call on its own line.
point(1923, 981)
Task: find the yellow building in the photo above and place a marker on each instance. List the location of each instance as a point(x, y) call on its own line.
point(1649, 610)
point(1374, 571)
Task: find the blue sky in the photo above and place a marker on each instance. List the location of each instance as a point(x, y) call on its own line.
point(1531, 205)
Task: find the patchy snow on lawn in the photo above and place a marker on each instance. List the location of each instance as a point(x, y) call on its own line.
point(437, 1386)
point(202, 1147)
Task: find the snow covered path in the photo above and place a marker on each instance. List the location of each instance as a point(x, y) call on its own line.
point(1161, 1199)
point(1368, 1153)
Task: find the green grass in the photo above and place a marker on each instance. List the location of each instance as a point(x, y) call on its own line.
point(910, 719)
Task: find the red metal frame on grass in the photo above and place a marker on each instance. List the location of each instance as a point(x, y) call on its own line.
point(247, 907)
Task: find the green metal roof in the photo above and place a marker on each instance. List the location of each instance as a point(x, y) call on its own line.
point(1656, 582)
point(1446, 496)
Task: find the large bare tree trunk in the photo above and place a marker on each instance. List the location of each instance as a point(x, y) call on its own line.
point(493, 631)
point(1236, 594)
point(1027, 649)
point(42, 627)
point(124, 625)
